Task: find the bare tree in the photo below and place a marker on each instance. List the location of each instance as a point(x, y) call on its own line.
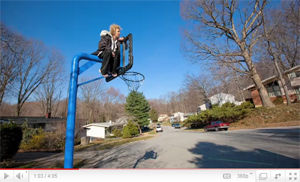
point(217, 36)
point(11, 49)
point(49, 93)
point(90, 94)
point(34, 69)
point(228, 81)
point(289, 34)
point(272, 44)
point(113, 104)
point(197, 89)
point(160, 105)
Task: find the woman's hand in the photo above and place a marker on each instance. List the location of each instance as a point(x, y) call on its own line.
point(113, 54)
point(121, 39)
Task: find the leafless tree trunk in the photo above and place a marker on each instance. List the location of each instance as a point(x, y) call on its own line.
point(90, 94)
point(289, 33)
point(34, 69)
point(183, 102)
point(274, 54)
point(215, 23)
point(49, 93)
point(113, 102)
point(11, 49)
point(197, 89)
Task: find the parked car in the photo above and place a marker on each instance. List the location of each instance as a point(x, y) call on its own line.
point(217, 125)
point(145, 128)
point(159, 128)
point(177, 125)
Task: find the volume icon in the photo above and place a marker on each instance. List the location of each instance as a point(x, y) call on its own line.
point(19, 176)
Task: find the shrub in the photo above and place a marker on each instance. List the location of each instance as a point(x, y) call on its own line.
point(36, 142)
point(130, 130)
point(28, 133)
point(126, 132)
point(55, 141)
point(10, 139)
point(227, 112)
point(38, 139)
point(117, 133)
point(228, 104)
point(247, 105)
point(214, 106)
point(278, 101)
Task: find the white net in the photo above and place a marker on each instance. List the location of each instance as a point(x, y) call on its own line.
point(133, 80)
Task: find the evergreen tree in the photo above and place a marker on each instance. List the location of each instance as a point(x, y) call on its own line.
point(153, 115)
point(138, 107)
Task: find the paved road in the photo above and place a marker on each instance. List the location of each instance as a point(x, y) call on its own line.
point(173, 148)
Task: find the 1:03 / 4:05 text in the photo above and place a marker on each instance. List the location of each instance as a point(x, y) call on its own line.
point(45, 175)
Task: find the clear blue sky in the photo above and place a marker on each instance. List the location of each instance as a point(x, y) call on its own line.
point(74, 27)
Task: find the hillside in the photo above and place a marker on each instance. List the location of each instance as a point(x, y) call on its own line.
point(281, 115)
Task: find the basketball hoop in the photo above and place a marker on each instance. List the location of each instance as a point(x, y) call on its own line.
point(133, 80)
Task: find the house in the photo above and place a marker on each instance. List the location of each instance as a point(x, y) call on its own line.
point(204, 106)
point(186, 116)
point(163, 117)
point(47, 124)
point(177, 117)
point(275, 88)
point(223, 98)
point(124, 120)
point(220, 99)
point(101, 130)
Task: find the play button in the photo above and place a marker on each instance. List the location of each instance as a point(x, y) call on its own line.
point(6, 175)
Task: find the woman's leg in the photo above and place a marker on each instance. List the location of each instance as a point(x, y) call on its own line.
point(116, 63)
point(107, 55)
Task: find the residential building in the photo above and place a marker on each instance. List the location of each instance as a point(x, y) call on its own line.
point(220, 99)
point(163, 117)
point(275, 88)
point(177, 117)
point(47, 124)
point(101, 130)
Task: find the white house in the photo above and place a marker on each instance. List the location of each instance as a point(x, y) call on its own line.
point(101, 130)
point(219, 99)
point(162, 117)
point(203, 107)
point(177, 117)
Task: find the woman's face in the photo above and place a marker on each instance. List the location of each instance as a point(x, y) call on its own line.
point(117, 33)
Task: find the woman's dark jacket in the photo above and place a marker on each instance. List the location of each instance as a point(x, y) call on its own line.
point(105, 43)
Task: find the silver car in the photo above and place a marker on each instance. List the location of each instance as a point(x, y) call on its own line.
point(159, 128)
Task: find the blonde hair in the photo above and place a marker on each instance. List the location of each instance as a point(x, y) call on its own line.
point(113, 27)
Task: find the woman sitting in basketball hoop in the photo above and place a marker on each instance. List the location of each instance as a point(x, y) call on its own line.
point(109, 50)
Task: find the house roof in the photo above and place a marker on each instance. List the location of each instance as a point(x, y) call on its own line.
point(106, 125)
point(31, 120)
point(123, 119)
point(274, 77)
point(295, 68)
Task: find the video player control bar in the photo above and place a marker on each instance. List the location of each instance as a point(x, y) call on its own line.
point(145, 175)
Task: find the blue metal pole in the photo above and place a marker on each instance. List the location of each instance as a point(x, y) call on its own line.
point(70, 131)
point(69, 146)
